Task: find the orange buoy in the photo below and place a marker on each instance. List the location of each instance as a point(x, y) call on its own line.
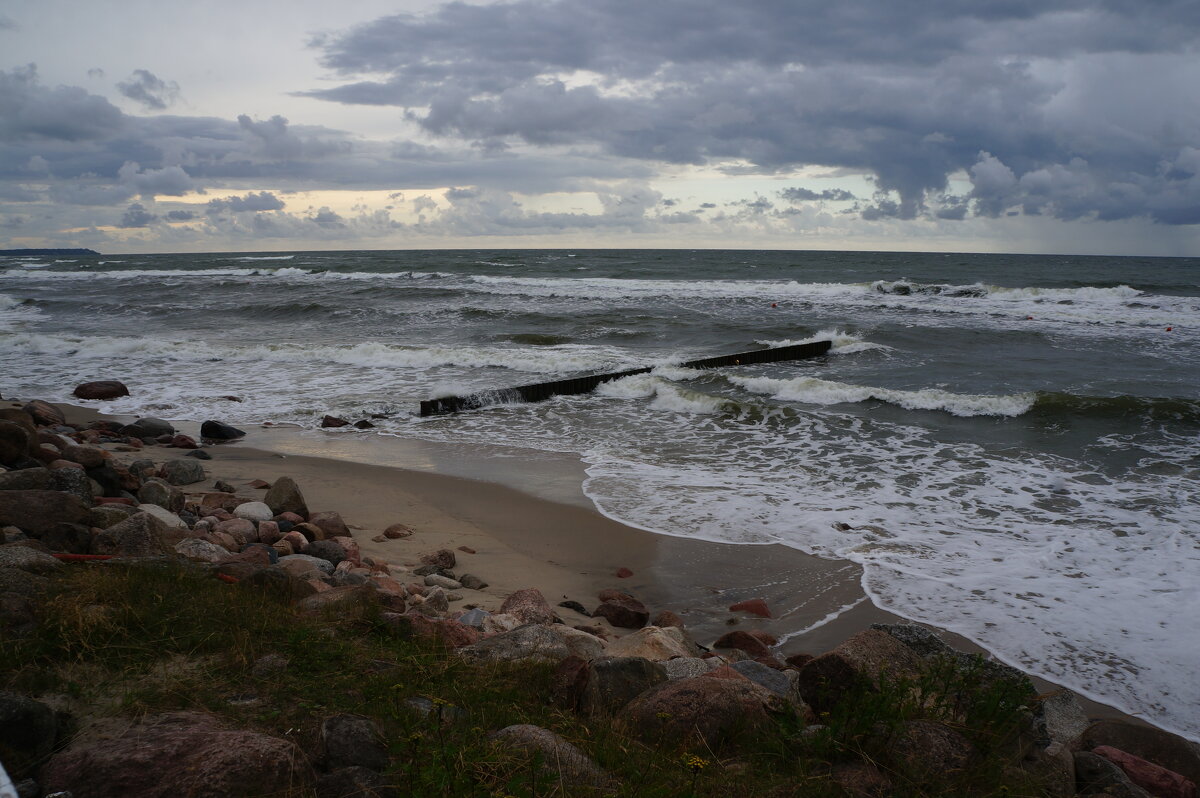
point(774, 305)
point(1170, 328)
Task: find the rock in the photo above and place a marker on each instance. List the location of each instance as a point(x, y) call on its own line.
point(1158, 781)
point(18, 555)
point(27, 479)
point(652, 643)
point(450, 633)
point(300, 563)
point(921, 640)
point(14, 580)
point(100, 389)
point(1063, 717)
point(36, 511)
point(139, 535)
point(397, 531)
point(341, 599)
point(330, 524)
point(225, 501)
point(667, 618)
point(1095, 774)
point(861, 780)
point(215, 430)
point(442, 558)
point(44, 413)
point(277, 581)
point(352, 740)
point(354, 782)
point(15, 442)
point(612, 682)
point(924, 748)
point(28, 731)
point(349, 547)
point(530, 642)
point(435, 600)
point(184, 753)
point(712, 709)
point(285, 497)
point(297, 540)
point(563, 760)
point(687, 667)
point(774, 680)
point(437, 580)
point(199, 454)
point(182, 472)
point(472, 582)
point(201, 550)
point(579, 644)
point(73, 481)
point(184, 442)
point(69, 538)
point(268, 532)
point(221, 486)
point(625, 612)
point(1052, 768)
point(1154, 745)
point(253, 511)
point(333, 422)
point(743, 641)
point(148, 428)
point(17, 617)
point(623, 573)
point(243, 531)
point(575, 606)
point(160, 492)
point(798, 661)
point(327, 550)
point(862, 660)
point(102, 516)
point(529, 605)
point(473, 617)
point(753, 606)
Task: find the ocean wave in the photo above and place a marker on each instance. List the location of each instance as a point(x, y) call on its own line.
point(666, 397)
point(844, 343)
point(263, 257)
point(812, 390)
point(1155, 408)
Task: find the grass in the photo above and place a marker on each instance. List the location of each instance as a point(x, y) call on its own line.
point(121, 642)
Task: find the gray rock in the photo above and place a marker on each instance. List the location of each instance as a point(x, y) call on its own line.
point(199, 454)
point(1154, 745)
point(15, 555)
point(36, 511)
point(201, 550)
point(437, 599)
point(14, 442)
point(474, 617)
point(921, 640)
point(14, 580)
point(1063, 717)
point(350, 740)
point(1095, 774)
point(437, 580)
point(327, 550)
point(615, 681)
point(285, 497)
point(215, 430)
point(563, 760)
point(139, 535)
point(687, 667)
point(162, 493)
point(775, 681)
point(170, 520)
point(531, 642)
point(102, 516)
point(75, 482)
point(182, 472)
point(28, 479)
point(253, 511)
point(321, 564)
point(148, 428)
point(69, 538)
point(472, 582)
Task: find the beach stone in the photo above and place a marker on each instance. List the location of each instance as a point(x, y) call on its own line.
point(27, 479)
point(242, 530)
point(297, 540)
point(352, 740)
point(529, 605)
point(437, 580)
point(354, 782)
point(774, 680)
point(14, 580)
point(743, 641)
point(612, 682)
point(18, 555)
point(397, 531)
point(182, 753)
point(472, 582)
point(14, 443)
point(73, 481)
point(199, 454)
point(623, 611)
point(560, 757)
point(753, 606)
point(350, 547)
point(17, 616)
point(923, 748)
point(579, 644)
point(86, 456)
point(253, 511)
point(69, 538)
point(1154, 745)
point(218, 499)
point(473, 617)
point(28, 731)
point(215, 430)
point(306, 562)
point(227, 542)
point(284, 496)
point(1062, 717)
point(861, 780)
point(44, 413)
point(200, 550)
point(160, 492)
point(865, 659)
point(102, 516)
point(184, 442)
point(182, 472)
point(100, 389)
point(36, 511)
point(442, 558)
point(330, 524)
point(497, 622)
point(342, 599)
point(139, 535)
point(666, 618)
point(148, 427)
point(334, 422)
point(920, 639)
point(1052, 768)
point(712, 709)
point(1158, 781)
point(687, 667)
point(530, 642)
point(268, 532)
point(1095, 774)
point(435, 599)
point(325, 549)
point(652, 643)
point(450, 633)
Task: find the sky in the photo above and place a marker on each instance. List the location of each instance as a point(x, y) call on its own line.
point(940, 125)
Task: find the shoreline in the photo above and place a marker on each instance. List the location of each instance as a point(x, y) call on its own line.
point(519, 541)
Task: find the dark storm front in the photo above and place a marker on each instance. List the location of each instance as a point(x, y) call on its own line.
point(1008, 444)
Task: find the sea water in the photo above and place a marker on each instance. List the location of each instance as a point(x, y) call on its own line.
point(1006, 444)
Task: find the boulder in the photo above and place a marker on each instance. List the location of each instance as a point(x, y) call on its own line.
point(442, 558)
point(14, 580)
point(340, 599)
point(579, 643)
point(100, 389)
point(623, 611)
point(355, 782)
point(449, 632)
point(102, 516)
point(162, 493)
point(711, 709)
point(862, 661)
point(69, 538)
point(530, 642)
point(1095, 774)
point(349, 548)
point(218, 499)
point(268, 532)
point(139, 535)
point(74, 481)
point(529, 605)
point(182, 472)
point(472, 582)
point(666, 618)
point(333, 422)
point(397, 531)
point(753, 606)
point(36, 511)
point(1158, 781)
point(17, 619)
point(15, 443)
point(18, 555)
point(44, 413)
point(183, 753)
point(565, 763)
point(923, 748)
point(612, 682)
point(243, 531)
point(330, 524)
point(27, 479)
point(774, 680)
point(861, 780)
point(253, 511)
point(687, 667)
point(188, 442)
point(1062, 717)
point(148, 427)
point(352, 740)
point(215, 430)
point(920, 639)
point(86, 456)
point(327, 550)
point(743, 641)
point(652, 643)
point(28, 731)
point(285, 497)
point(201, 550)
point(1154, 745)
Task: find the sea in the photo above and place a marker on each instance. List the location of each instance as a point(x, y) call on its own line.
point(1007, 444)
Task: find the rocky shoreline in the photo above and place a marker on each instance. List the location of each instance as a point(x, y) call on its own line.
point(103, 494)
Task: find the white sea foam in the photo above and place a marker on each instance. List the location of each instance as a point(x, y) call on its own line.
point(812, 390)
point(843, 343)
point(264, 257)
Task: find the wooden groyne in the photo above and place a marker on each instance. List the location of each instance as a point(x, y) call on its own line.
point(577, 385)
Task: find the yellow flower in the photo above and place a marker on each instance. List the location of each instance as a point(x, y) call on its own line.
point(695, 763)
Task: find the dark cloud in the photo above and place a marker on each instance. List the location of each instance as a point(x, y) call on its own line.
point(6, 23)
point(152, 92)
point(908, 92)
point(136, 215)
point(30, 112)
point(180, 216)
point(799, 194)
point(262, 201)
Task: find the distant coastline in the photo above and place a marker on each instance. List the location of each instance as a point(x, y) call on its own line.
point(55, 252)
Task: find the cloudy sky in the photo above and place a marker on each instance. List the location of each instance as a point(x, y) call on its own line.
point(969, 125)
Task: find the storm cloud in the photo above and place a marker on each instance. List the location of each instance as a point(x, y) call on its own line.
point(1086, 103)
point(147, 89)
